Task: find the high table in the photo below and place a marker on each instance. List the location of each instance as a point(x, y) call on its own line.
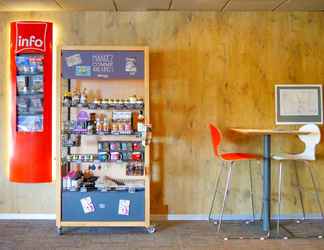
point(267, 165)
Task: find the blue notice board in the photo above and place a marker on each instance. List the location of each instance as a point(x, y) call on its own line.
point(78, 64)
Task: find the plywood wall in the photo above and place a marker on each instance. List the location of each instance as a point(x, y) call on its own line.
point(206, 67)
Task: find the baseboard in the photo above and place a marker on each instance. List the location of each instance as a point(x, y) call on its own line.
point(163, 217)
point(203, 217)
point(29, 216)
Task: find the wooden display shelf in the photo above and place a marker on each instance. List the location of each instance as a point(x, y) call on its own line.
point(120, 82)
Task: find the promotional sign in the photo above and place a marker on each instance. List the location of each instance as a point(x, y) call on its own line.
point(31, 36)
point(105, 64)
point(31, 107)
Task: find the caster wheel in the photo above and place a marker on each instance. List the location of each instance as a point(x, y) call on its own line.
point(151, 230)
point(59, 231)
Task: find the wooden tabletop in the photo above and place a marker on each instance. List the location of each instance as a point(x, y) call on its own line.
point(267, 131)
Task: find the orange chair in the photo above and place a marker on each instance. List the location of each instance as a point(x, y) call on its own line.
point(228, 158)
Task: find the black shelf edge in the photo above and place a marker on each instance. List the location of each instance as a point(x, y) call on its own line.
point(98, 162)
point(29, 113)
point(29, 93)
point(107, 109)
point(30, 74)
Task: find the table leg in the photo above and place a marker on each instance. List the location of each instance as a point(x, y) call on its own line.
point(266, 182)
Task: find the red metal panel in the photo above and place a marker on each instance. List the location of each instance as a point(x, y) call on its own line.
point(30, 160)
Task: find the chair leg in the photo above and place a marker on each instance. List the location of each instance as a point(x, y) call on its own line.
point(279, 196)
point(316, 190)
point(299, 190)
point(215, 193)
point(225, 196)
point(251, 191)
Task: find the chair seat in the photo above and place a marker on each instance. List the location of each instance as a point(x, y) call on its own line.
point(239, 156)
point(293, 157)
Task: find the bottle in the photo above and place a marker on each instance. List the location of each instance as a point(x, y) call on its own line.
point(140, 122)
point(84, 97)
point(105, 125)
point(98, 125)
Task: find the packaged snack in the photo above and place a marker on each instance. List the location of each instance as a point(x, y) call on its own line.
point(115, 156)
point(103, 156)
point(126, 156)
point(126, 146)
point(136, 156)
point(114, 146)
point(137, 146)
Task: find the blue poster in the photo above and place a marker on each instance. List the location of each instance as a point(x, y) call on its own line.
point(102, 64)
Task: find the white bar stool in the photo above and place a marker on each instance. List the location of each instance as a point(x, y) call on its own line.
point(311, 138)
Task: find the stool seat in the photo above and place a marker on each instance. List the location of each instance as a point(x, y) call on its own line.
point(292, 157)
point(239, 156)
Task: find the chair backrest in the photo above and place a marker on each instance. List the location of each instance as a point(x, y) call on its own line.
point(216, 138)
point(310, 140)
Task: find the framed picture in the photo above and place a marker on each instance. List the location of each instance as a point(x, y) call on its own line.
point(299, 104)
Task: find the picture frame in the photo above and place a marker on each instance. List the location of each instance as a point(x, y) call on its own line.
point(298, 103)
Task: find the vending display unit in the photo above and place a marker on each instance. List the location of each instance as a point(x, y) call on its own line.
point(31, 102)
point(105, 135)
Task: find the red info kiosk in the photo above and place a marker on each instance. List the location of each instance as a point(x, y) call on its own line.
point(31, 110)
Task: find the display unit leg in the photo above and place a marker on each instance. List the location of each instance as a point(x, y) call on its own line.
point(59, 231)
point(151, 229)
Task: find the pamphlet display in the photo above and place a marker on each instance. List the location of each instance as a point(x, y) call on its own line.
point(31, 101)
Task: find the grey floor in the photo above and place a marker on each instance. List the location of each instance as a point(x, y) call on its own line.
point(169, 236)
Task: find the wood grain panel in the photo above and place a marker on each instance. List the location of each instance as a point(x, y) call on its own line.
point(295, 5)
point(205, 67)
point(251, 5)
point(86, 4)
point(198, 4)
point(130, 5)
point(30, 5)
